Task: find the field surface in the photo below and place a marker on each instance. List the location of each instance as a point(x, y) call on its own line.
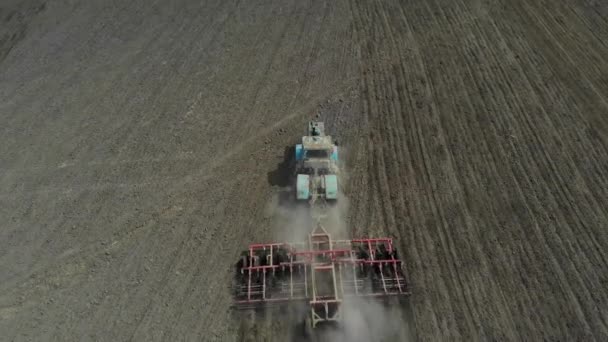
point(142, 146)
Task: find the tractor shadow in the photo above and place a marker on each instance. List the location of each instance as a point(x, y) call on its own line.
point(282, 177)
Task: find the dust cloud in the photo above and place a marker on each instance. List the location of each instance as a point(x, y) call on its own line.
point(291, 222)
point(367, 320)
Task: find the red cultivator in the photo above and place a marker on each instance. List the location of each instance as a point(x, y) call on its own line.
point(321, 272)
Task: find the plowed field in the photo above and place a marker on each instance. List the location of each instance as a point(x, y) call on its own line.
point(142, 146)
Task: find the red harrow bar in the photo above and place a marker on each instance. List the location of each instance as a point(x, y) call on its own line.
point(320, 272)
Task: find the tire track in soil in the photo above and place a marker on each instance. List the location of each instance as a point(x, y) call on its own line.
point(436, 207)
point(372, 219)
point(368, 87)
point(564, 194)
point(381, 178)
point(488, 164)
point(559, 99)
point(471, 72)
point(395, 147)
point(462, 85)
point(359, 167)
point(598, 155)
point(433, 128)
point(468, 297)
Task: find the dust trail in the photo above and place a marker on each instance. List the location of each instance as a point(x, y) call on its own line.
point(368, 320)
point(292, 222)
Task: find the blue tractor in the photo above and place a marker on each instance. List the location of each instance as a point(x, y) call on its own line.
point(316, 166)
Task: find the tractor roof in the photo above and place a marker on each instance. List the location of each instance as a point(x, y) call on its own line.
point(317, 143)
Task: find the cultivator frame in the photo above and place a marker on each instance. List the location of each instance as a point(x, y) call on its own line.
point(321, 272)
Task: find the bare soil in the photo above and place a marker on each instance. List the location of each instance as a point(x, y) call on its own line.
point(141, 143)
